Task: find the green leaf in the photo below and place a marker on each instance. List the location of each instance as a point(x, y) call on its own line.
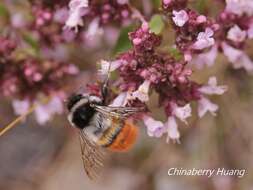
point(156, 24)
point(201, 6)
point(123, 43)
point(174, 52)
point(3, 11)
point(31, 41)
point(156, 3)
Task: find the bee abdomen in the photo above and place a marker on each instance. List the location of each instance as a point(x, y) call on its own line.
point(121, 140)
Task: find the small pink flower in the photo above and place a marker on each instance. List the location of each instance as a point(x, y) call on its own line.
point(172, 129)
point(237, 57)
point(107, 66)
point(240, 7)
point(205, 105)
point(136, 41)
point(180, 17)
point(182, 112)
point(187, 57)
point(145, 27)
point(201, 19)
point(142, 92)
point(20, 106)
point(155, 128)
point(122, 2)
point(236, 34)
point(72, 69)
point(166, 2)
point(204, 39)
point(212, 87)
point(207, 58)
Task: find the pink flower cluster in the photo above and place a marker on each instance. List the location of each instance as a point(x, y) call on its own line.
point(29, 78)
point(194, 32)
point(144, 70)
point(48, 23)
point(235, 29)
point(199, 37)
point(101, 12)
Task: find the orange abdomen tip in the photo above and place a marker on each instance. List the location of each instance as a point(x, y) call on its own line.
point(125, 139)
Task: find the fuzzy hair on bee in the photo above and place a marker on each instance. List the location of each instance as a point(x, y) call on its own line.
point(101, 128)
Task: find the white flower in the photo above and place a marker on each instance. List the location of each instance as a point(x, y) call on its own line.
point(155, 128)
point(172, 129)
point(121, 99)
point(236, 34)
point(212, 87)
point(18, 20)
point(204, 39)
point(44, 112)
point(42, 115)
point(180, 17)
point(240, 7)
point(237, 57)
point(20, 106)
point(78, 4)
point(182, 112)
point(74, 20)
point(142, 92)
point(93, 29)
point(75, 14)
point(205, 105)
point(107, 66)
point(207, 58)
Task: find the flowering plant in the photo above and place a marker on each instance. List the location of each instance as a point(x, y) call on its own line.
point(36, 54)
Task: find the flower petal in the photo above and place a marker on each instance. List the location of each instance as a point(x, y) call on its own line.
point(172, 129)
point(204, 39)
point(236, 34)
point(142, 92)
point(205, 105)
point(106, 65)
point(120, 100)
point(212, 87)
point(155, 128)
point(237, 57)
point(182, 112)
point(180, 17)
point(207, 58)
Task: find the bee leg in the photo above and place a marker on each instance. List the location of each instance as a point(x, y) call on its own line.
point(104, 90)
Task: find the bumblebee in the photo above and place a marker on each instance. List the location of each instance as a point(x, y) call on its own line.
point(100, 127)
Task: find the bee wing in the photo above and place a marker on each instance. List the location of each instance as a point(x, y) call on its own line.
point(118, 111)
point(92, 156)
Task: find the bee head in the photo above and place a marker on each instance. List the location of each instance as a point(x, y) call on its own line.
point(73, 99)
